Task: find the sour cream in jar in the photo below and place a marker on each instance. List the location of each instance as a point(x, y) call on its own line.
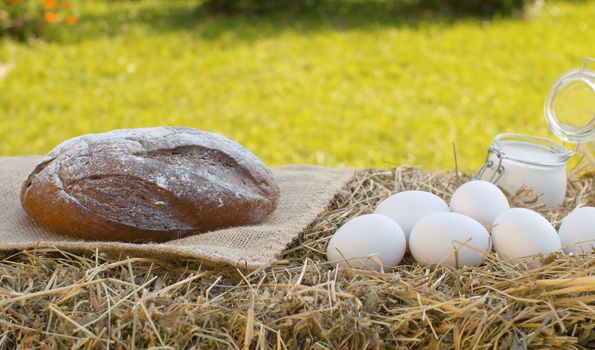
point(517, 161)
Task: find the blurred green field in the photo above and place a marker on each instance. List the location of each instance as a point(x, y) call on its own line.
point(360, 84)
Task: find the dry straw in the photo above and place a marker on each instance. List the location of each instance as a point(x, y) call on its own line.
point(51, 299)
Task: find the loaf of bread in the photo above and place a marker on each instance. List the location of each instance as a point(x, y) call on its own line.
point(151, 184)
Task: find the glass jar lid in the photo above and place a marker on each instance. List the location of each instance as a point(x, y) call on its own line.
point(570, 108)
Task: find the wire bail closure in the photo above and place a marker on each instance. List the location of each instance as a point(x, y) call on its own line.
point(497, 168)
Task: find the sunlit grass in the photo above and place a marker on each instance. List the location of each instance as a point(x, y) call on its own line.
point(333, 89)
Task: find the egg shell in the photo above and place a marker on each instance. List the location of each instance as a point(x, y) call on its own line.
point(365, 236)
point(519, 233)
point(480, 200)
point(577, 231)
point(435, 239)
point(408, 207)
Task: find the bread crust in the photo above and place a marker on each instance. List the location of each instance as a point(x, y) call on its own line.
point(150, 184)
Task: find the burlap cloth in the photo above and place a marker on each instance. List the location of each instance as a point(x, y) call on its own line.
point(305, 193)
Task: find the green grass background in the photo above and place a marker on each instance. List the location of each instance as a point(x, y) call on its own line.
point(364, 83)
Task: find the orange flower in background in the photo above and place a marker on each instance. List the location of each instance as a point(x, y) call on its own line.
point(51, 17)
point(70, 20)
point(50, 4)
point(66, 5)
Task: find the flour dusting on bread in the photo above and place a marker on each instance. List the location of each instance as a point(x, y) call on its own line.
point(151, 183)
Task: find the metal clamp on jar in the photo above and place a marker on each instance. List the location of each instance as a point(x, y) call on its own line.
point(517, 161)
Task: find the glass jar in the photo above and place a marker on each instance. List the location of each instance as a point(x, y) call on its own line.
point(516, 161)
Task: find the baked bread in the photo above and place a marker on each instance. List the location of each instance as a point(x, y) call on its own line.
point(151, 184)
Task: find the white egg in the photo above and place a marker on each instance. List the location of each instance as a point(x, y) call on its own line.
point(577, 231)
point(368, 241)
point(521, 232)
point(408, 207)
point(480, 200)
point(449, 239)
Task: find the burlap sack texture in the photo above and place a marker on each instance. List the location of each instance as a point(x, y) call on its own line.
point(306, 191)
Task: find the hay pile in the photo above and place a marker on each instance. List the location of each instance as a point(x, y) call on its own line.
point(51, 299)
